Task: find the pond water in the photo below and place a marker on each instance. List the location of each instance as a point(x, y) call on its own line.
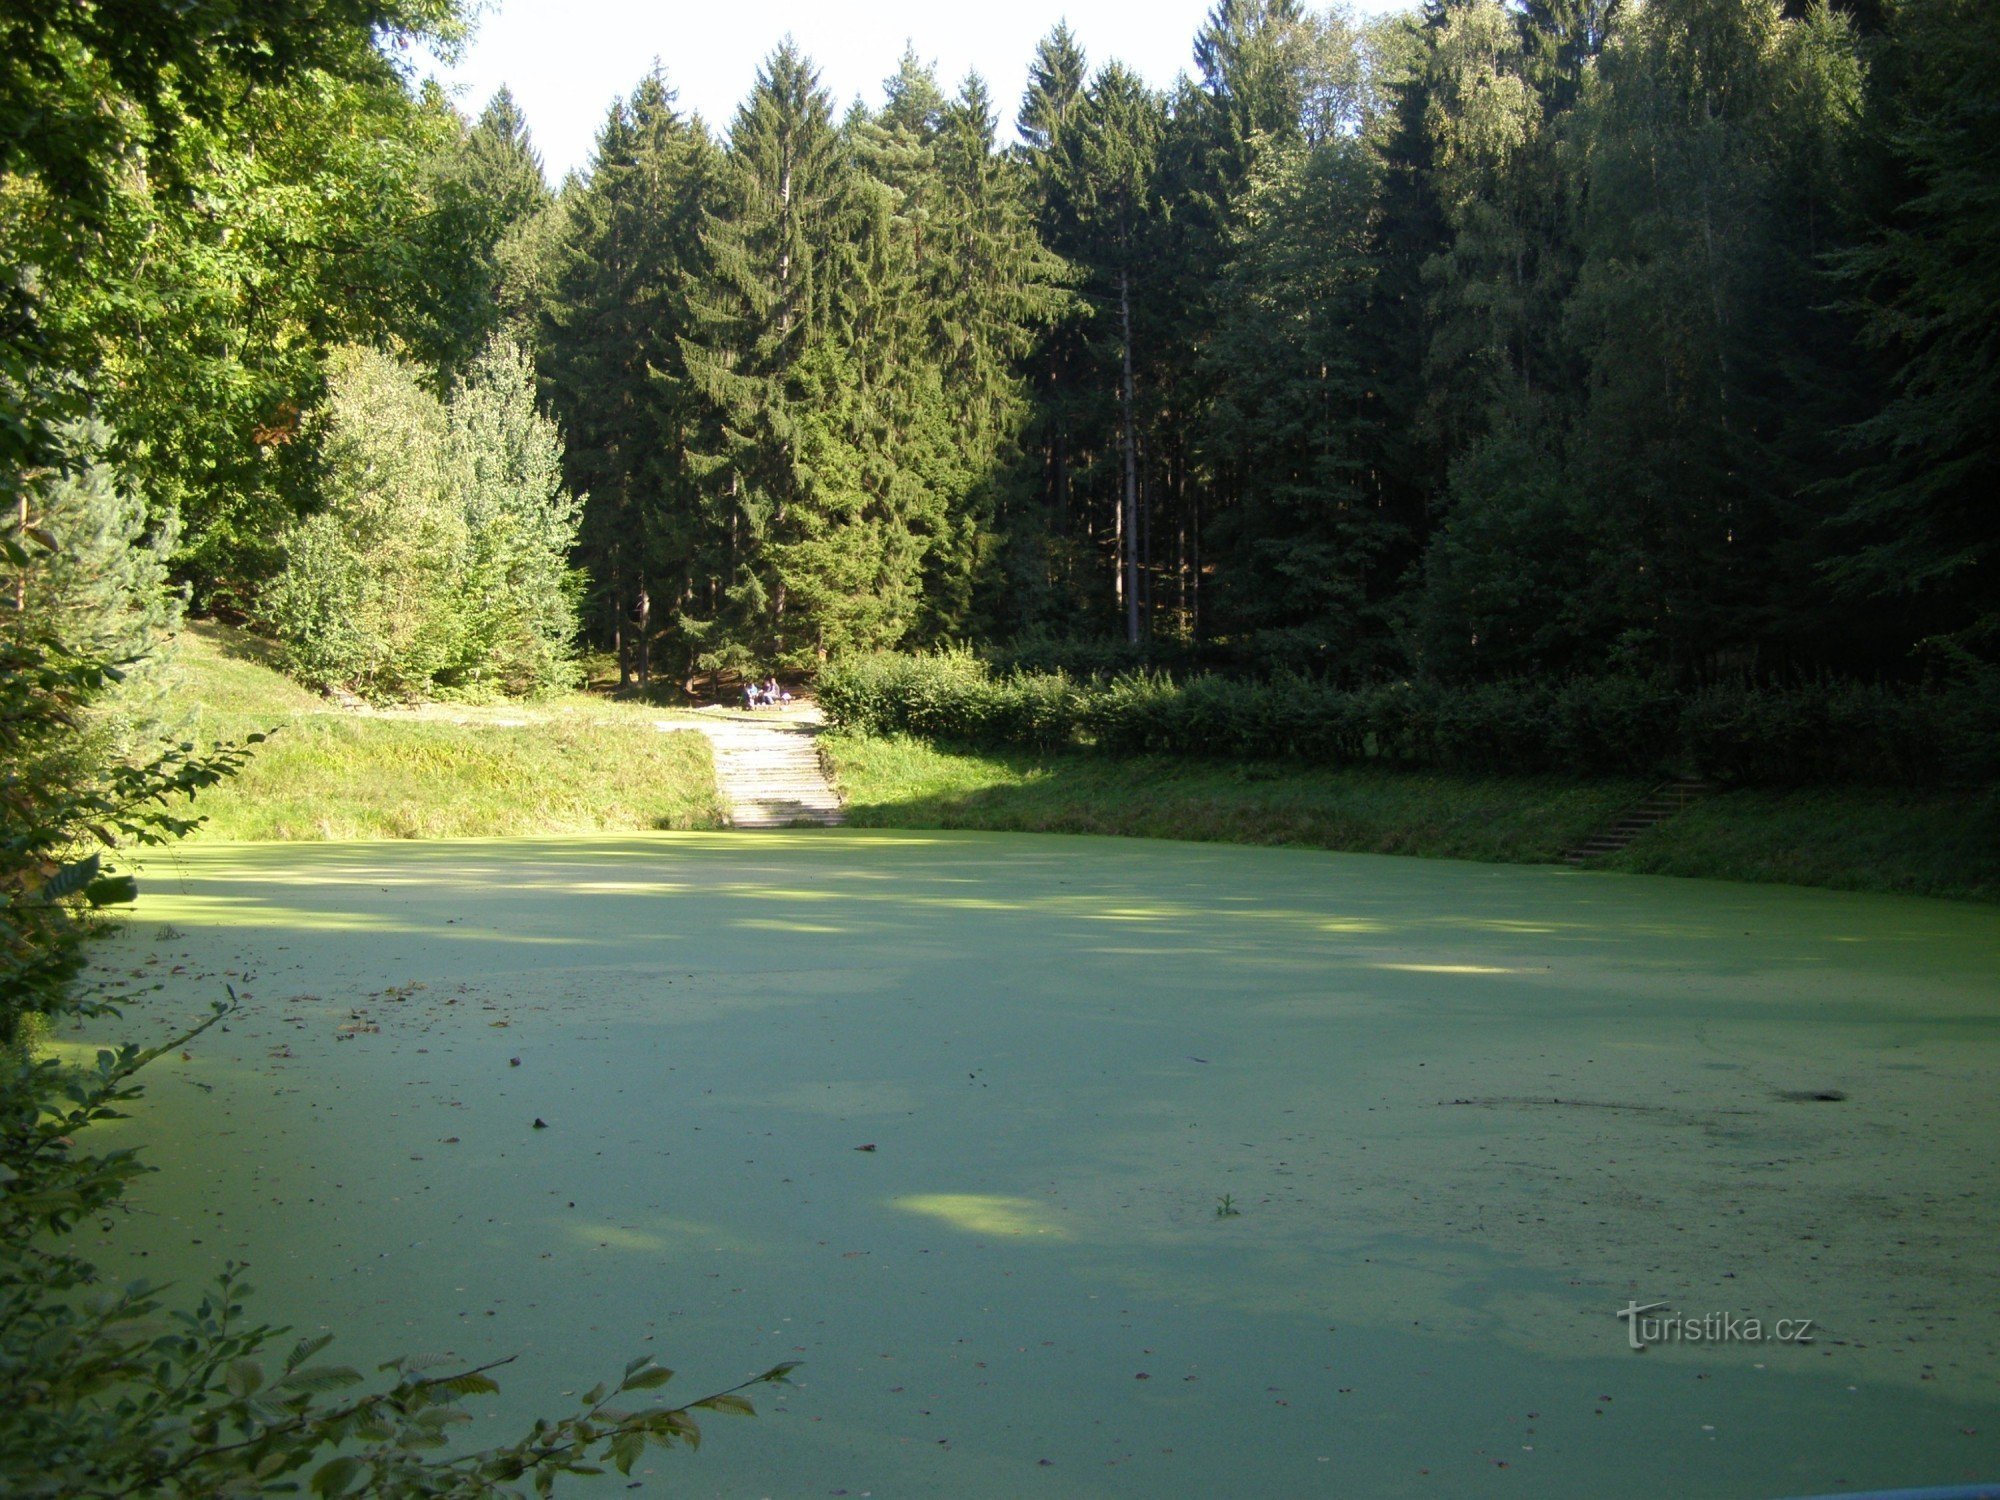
point(1195, 1170)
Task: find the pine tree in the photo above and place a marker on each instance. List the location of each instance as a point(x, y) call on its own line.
point(1915, 527)
point(992, 292)
point(760, 349)
point(1301, 538)
point(1713, 148)
point(1110, 195)
point(613, 369)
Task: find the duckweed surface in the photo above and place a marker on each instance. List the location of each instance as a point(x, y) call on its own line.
point(953, 1117)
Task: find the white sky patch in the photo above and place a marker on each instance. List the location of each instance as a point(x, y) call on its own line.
point(566, 60)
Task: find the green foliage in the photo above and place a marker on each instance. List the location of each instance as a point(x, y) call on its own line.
point(198, 201)
point(625, 249)
point(1917, 525)
point(81, 85)
point(82, 601)
point(1616, 725)
point(440, 564)
point(1720, 137)
point(1483, 340)
point(201, 307)
point(93, 572)
point(1302, 547)
point(949, 695)
point(867, 292)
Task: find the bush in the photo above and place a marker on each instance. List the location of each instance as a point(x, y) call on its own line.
point(1613, 725)
point(441, 562)
point(1844, 732)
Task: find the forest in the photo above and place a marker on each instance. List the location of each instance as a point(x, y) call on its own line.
point(1479, 341)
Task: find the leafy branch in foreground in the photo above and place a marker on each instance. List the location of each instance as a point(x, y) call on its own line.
point(111, 1391)
point(115, 1394)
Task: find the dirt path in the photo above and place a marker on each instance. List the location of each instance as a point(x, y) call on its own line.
point(766, 765)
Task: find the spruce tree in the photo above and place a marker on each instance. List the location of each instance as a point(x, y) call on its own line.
point(494, 178)
point(760, 349)
point(1301, 538)
point(1055, 84)
point(613, 371)
point(1050, 574)
point(992, 292)
point(500, 162)
point(1111, 195)
point(1913, 526)
point(1714, 160)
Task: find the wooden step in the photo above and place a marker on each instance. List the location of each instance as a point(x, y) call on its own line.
point(1659, 804)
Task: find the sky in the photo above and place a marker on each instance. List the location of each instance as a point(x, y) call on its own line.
point(566, 60)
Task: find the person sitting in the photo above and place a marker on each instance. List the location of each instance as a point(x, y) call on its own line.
point(753, 695)
point(771, 693)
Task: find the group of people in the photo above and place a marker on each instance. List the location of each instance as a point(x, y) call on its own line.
point(765, 694)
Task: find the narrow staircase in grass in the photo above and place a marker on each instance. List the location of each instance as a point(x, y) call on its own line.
point(1661, 803)
point(767, 767)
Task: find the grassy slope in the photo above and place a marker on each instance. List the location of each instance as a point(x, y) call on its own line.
point(1926, 843)
point(1923, 843)
point(572, 765)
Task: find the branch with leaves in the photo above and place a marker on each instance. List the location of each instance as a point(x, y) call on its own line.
point(108, 1402)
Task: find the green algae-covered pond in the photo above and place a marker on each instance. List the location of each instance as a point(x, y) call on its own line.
point(1461, 1116)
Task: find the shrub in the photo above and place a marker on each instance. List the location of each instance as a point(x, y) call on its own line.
point(1609, 725)
point(441, 561)
point(1842, 732)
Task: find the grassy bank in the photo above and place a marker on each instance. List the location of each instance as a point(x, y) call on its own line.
point(572, 765)
point(1923, 843)
point(1926, 843)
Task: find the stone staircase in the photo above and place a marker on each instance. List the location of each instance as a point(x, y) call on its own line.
point(767, 766)
point(1661, 803)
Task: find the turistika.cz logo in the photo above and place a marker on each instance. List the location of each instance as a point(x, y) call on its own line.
point(1657, 1323)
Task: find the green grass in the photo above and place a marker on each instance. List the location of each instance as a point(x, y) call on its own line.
point(577, 764)
point(903, 783)
point(583, 763)
point(1936, 843)
point(1921, 843)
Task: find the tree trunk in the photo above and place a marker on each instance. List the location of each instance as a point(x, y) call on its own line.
point(643, 646)
point(1129, 515)
point(617, 605)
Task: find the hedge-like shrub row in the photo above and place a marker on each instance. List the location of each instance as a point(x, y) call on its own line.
point(1806, 733)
